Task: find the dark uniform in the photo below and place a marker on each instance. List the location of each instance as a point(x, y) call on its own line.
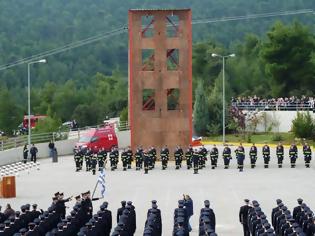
point(207, 213)
point(130, 155)
point(266, 155)
point(203, 152)
point(188, 156)
point(178, 158)
point(116, 153)
point(240, 156)
point(124, 160)
point(243, 216)
point(181, 153)
point(226, 156)
point(146, 162)
point(195, 160)
point(280, 154)
point(214, 155)
point(154, 220)
point(164, 158)
point(253, 156)
point(94, 160)
point(139, 159)
point(112, 159)
point(293, 153)
point(88, 155)
point(307, 151)
point(78, 158)
point(153, 156)
point(101, 157)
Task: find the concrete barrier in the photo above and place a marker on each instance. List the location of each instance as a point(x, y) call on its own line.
point(64, 147)
point(123, 138)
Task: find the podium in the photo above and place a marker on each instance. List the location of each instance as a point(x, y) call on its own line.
point(7, 187)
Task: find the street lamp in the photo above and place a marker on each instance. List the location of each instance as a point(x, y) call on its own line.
point(29, 96)
point(223, 90)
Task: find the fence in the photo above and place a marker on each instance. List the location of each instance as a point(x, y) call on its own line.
point(273, 106)
point(55, 136)
point(36, 138)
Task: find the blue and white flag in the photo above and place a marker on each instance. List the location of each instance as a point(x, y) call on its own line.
point(101, 181)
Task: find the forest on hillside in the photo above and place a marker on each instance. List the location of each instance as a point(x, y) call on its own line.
point(90, 82)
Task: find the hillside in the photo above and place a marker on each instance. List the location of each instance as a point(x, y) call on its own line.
point(67, 86)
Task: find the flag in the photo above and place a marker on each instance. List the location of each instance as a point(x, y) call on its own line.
point(101, 181)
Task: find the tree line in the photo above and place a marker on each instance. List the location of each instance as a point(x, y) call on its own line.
point(90, 83)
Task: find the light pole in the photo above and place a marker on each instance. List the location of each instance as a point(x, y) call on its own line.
point(223, 90)
point(29, 96)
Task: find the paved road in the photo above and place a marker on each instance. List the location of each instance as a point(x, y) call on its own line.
point(225, 189)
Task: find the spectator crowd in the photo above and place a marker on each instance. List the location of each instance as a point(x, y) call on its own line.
point(282, 103)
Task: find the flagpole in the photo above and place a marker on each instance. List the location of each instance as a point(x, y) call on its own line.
point(95, 188)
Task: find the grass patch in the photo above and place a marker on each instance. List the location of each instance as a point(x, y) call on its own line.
point(272, 138)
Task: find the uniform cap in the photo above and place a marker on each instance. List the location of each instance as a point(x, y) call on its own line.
point(153, 201)
point(295, 225)
point(56, 194)
point(123, 202)
point(129, 203)
point(77, 197)
point(105, 204)
point(300, 200)
point(7, 222)
point(34, 205)
point(23, 231)
point(207, 203)
point(278, 201)
point(246, 200)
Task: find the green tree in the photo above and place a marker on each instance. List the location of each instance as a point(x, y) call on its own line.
point(47, 125)
point(303, 126)
point(288, 57)
point(201, 110)
point(10, 115)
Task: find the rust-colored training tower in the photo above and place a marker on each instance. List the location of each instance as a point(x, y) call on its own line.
point(160, 77)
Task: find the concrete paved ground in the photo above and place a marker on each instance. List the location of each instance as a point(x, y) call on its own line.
point(225, 189)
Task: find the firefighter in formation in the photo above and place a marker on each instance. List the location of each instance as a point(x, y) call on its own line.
point(96, 159)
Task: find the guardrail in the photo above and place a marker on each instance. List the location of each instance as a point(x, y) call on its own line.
point(36, 138)
point(55, 136)
point(274, 107)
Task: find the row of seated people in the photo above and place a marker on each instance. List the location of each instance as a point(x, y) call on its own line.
point(301, 222)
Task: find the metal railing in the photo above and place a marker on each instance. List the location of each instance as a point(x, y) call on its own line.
point(55, 136)
point(36, 138)
point(265, 106)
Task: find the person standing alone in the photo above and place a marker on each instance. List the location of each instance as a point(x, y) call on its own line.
point(189, 205)
point(33, 152)
point(25, 153)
